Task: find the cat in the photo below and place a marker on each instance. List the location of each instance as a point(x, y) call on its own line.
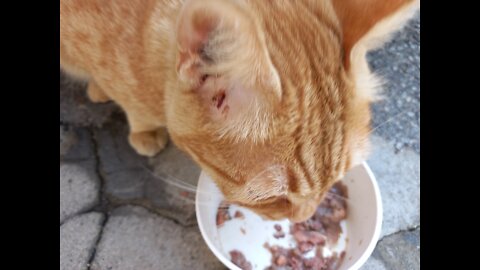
point(270, 98)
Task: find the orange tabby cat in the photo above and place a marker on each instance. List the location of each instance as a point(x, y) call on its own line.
point(270, 98)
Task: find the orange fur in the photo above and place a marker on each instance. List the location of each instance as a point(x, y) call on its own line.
point(271, 98)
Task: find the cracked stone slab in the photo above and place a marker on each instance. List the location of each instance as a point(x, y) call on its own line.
point(154, 183)
point(76, 144)
point(400, 250)
point(176, 164)
point(398, 177)
point(134, 238)
point(67, 139)
point(79, 188)
point(77, 240)
point(77, 109)
point(373, 264)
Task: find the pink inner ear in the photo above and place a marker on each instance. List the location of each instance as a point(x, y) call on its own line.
point(232, 95)
point(194, 34)
point(193, 31)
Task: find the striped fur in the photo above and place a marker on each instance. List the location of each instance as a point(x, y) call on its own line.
point(271, 98)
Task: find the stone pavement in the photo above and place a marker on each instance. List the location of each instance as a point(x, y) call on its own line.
point(122, 211)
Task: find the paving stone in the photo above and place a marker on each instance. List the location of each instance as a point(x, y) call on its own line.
point(134, 238)
point(76, 144)
point(398, 176)
point(154, 183)
point(373, 264)
point(79, 188)
point(400, 250)
point(77, 240)
point(77, 109)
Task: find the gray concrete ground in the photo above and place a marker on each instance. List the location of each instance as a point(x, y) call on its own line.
point(120, 211)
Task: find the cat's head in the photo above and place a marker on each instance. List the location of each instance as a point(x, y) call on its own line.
point(272, 97)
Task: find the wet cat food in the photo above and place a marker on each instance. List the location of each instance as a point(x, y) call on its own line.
point(239, 214)
point(322, 229)
point(239, 260)
point(312, 244)
point(223, 214)
point(278, 231)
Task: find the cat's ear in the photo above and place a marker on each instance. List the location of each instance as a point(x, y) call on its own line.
point(223, 58)
point(367, 24)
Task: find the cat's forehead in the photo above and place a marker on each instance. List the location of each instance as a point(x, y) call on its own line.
point(306, 52)
point(316, 31)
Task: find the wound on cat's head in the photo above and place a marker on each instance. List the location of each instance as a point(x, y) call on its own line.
point(273, 96)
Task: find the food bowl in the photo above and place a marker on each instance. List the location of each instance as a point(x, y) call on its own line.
point(363, 223)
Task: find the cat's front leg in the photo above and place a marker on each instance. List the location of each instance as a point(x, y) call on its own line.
point(96, 94)
point(146, 140)
point(145, 143)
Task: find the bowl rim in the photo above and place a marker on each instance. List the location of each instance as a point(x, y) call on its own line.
point(361, 261)
point(379, 221)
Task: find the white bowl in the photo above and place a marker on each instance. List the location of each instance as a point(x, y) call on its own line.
point(364, 220)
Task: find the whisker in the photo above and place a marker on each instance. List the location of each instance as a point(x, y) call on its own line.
point(336, 195)
point(169, 176)
point(209, 192)
point(177, 182)
point(166, 178)
point(193, 201)
point(267, 169)
point(184, 199)
point(174, 180)
point(211, 203)
point(389, 120)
